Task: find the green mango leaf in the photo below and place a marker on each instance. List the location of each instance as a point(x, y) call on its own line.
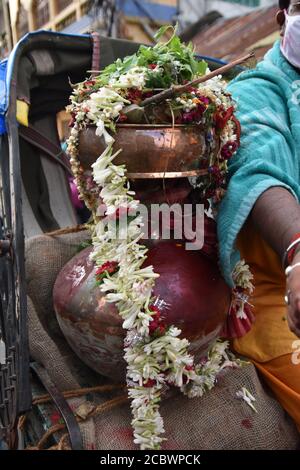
point(175, 45)
point(175, 60)
point(162, 30)
point(201, 67)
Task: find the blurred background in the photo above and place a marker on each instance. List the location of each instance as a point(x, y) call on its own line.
point(222, 29)
point(219, 29)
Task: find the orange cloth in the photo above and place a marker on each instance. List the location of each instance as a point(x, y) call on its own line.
point(283, 377)
point(270, 344)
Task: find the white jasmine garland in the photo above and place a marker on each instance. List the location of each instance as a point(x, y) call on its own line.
point(163, 360)
point(153, 363)
point(103, 106)
point(135, 77)
point(242, 276)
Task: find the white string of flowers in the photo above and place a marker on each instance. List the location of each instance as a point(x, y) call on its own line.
point(153, 363)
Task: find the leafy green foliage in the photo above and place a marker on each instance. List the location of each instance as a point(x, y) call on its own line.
point(175, 61)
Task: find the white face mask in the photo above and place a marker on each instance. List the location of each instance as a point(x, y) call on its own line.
point(290, 45)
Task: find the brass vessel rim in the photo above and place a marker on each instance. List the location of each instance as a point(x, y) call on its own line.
point(167, 174)
point(155, 126)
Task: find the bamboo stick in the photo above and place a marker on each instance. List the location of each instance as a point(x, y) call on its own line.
point(174, 90)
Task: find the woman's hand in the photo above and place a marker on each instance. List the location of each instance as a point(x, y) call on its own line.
point(276, 215)
point(293, 295)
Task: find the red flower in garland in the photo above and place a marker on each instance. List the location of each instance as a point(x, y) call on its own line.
point(157, 326)
point(150, 383)
point(195, 115)
point(238, 129)
point(110, 267)
point(240, 318)
point(204, 99)
point(89, 83)
point(154, 308)
point(152, 66)
point(134, 95)
point(222, 117)
point(188, 369)
point(214, 170)
point(228, 150)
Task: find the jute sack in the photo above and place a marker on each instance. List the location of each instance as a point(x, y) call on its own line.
point(218, 420)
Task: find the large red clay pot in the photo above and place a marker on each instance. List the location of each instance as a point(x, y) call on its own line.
point(190, 283)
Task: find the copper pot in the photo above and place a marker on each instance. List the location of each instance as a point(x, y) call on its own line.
point(151, 151)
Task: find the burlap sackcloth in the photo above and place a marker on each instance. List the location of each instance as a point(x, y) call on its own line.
point(218, 420)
